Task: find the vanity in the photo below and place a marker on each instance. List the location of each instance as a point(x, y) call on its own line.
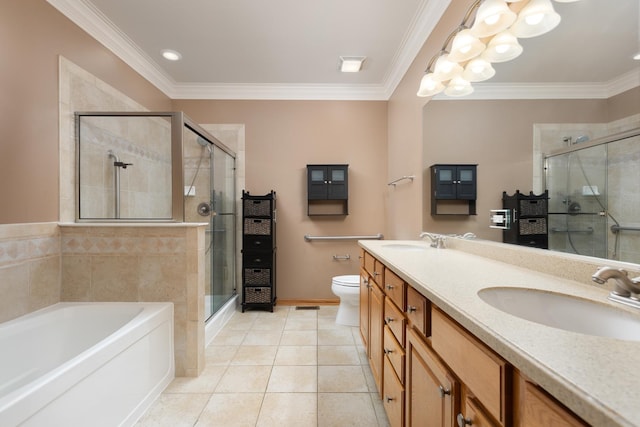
point(444, 351)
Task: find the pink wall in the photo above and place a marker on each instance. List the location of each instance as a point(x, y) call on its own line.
point(32, 36)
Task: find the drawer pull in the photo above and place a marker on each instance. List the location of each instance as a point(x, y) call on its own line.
point(389, 399)
point(411, 309)
point(390, 287)
point(462, 421)
point(389, 319)
point(444, 392)
point(375, 273)
point(365, 281)
point(388, 351)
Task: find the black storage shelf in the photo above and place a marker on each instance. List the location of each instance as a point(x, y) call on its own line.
point(529, 215)
point(258, 251)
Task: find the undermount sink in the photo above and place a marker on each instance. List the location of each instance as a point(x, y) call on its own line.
point(404, 247)
point(564, 312)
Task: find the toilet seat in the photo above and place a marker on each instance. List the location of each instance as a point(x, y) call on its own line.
point(349, 280)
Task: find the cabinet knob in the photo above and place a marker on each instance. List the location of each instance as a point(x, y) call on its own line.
point(390, 286)
point(388, 351)
point(365, 281)
point(388, 319)
point(462, 421)
point(411, 309)
point(375, 273)
point(389, 399)
point(444, 392)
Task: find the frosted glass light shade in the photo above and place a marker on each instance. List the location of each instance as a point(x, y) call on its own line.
point(502, 47)
point(536, 18)
point(458, 86)
point(478, 70)
point(567, 1)
point(465, 46)
point(492, 17)
point(429, 85)
point(445, 69)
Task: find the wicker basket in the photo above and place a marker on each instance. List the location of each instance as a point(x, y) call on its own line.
point(257, 295)
point(257, 207)
point(533, 226)
point(257, 276)
point(257, 226)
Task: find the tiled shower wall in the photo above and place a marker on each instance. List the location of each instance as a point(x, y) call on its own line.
point(29, 268)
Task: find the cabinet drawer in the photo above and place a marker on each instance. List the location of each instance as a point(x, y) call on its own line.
point(479, 368)
point(257, 259)
point(393, 396)
point(369, 262)
point(539, 409)
point(256, 243)
point(395, 319)
point(395, 288)
point(418, 311)
point(474, 416)
point(394, 352)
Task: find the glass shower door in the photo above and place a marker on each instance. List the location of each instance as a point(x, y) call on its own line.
point(577, 183)
point(221, 238)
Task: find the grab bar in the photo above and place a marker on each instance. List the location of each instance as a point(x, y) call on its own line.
point(308, 238)
point(409, 177)
point(346, 257)
point(617, 228)
point(589, 230)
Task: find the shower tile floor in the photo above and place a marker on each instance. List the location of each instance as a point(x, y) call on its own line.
point(286, 368)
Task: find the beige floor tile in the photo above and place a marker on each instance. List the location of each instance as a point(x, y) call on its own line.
point(345, 409)
point(269, 324)
point(240, 322)
point(255, 355)
point(288, 410)
point(309, 337)
point(338, 355)
point(328, 311)
point(341, 379)
point(228, 337)
point(297, 355)
point(341, 336)
point(205, 383)
point(328, 323)
point(231, 410)
point(177, 410)
point(301, 323)
point(278, 311)
point(244, 379)
point(262, 338)
point(302, 314)
point(220, 355)
point(293, 379)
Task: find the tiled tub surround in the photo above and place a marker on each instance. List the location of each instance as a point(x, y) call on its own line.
point(29, 268)
point(142, 262)
point(594, 376)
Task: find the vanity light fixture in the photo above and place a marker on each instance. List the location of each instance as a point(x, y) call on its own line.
point(487, 34)
point(351, 64)
point(171, 55)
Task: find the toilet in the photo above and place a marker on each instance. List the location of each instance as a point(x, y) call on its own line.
point(348, 289)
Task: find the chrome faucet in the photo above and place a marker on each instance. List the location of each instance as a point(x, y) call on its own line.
point(624, 286)
point(437, 240)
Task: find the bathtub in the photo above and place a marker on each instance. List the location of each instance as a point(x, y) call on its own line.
point(81, 364)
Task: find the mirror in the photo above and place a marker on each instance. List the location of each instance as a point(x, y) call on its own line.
point(578, 80)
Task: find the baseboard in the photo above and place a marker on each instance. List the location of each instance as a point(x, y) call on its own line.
point(301, 302)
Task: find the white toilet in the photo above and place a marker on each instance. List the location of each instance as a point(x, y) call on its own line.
point(348, 289)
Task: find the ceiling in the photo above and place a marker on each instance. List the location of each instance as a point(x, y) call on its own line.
point(289, 49)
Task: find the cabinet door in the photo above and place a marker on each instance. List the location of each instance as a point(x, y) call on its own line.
point(432, 393)
point(364, 309)
point(317, 181)
point(542, 410)
point(466, 182)
point(376, 324)
point(337, 182)
point(445, 178)
point(474, 416)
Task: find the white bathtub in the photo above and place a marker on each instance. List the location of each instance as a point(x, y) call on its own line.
point(85, 364)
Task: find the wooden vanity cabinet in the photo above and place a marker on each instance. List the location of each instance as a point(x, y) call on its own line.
point(376, 331)
point(431, 389)
point(418, 311)
point(364, 308)
point(535, 407)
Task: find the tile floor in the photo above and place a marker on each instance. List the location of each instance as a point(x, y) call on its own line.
point(286, 368)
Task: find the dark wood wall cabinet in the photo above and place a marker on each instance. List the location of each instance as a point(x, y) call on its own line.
point(453, 186)
point(327, 189)
point(258, 251)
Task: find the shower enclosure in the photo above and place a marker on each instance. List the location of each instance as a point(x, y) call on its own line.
point(593, 196)
point(161, 167)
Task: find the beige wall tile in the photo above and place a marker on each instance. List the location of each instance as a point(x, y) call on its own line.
point(14, 288)
point(44, 282)
point(76, 278)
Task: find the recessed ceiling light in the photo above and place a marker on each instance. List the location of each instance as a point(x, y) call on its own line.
point(637, 56)
point(351, 64)
point(171, 55)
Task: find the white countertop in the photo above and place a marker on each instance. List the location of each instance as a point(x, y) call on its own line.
point(596, 377)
